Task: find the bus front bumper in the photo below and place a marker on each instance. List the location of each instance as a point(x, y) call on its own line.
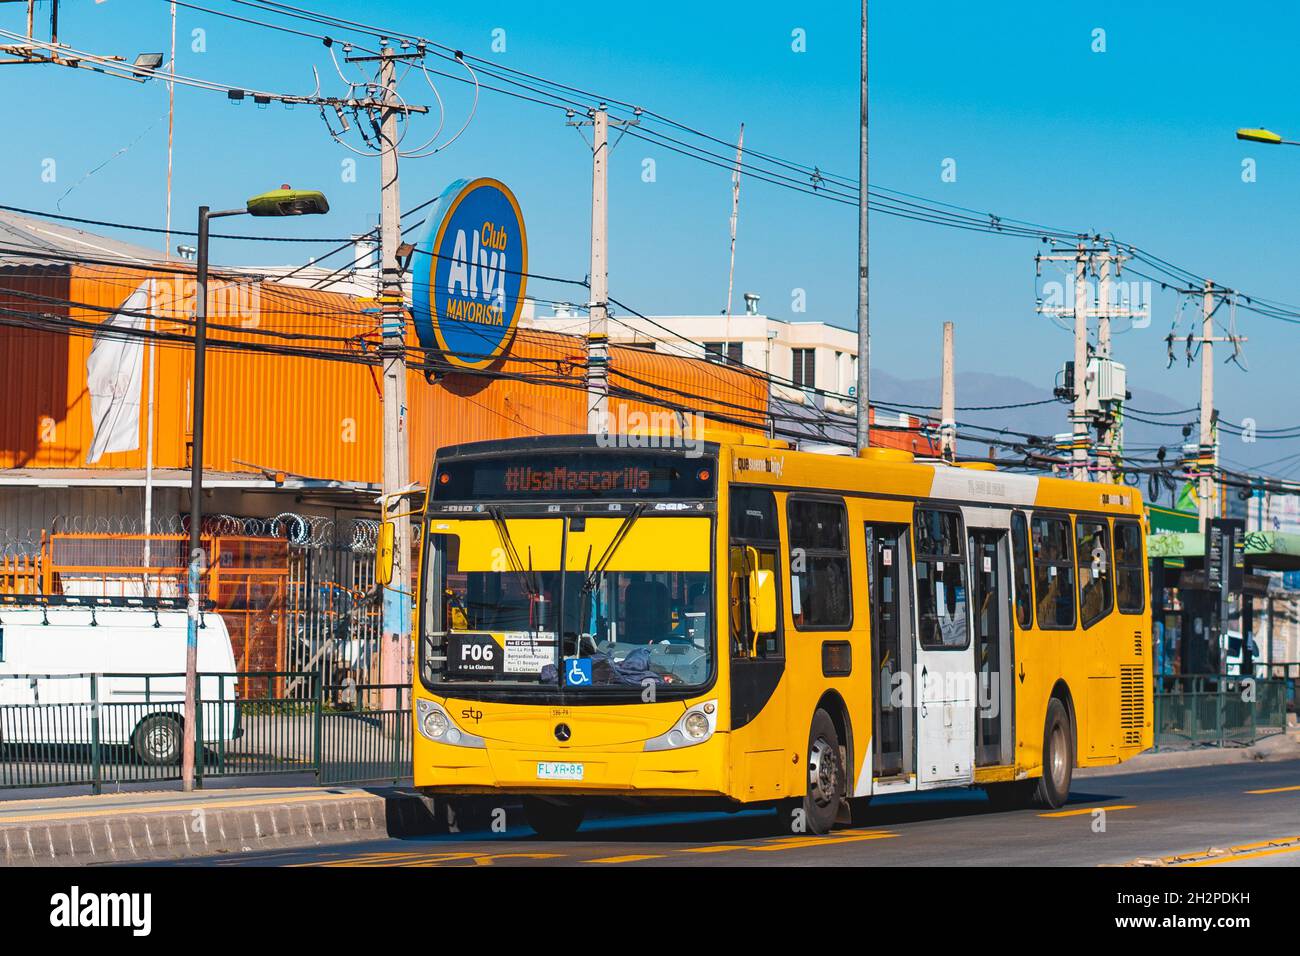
point(698, 770)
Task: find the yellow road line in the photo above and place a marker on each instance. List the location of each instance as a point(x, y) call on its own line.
point(630, 858)
point(1088, 810)
point(1214, 856)
point(174, 808)
point(718, 848)
point(800, 842)
point(1276, 790)
point(1232, 857)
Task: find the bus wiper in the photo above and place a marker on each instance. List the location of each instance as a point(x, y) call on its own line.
point(512, 554)
point(620, 536)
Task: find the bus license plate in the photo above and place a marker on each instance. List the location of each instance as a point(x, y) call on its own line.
point(550, 770)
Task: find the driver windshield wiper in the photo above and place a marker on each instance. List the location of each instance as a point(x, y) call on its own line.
point(619, 537)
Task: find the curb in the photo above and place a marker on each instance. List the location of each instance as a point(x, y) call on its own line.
point(156, 833)
point(1271, 749)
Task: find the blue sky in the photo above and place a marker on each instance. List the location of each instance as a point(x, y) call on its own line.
point(1137, 141)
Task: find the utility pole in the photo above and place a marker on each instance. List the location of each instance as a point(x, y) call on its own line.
point(598, 307)
point(598, 326)
point(1079, 467)
point(1207, 452)
point(864, 323)
point(397, 463)
point(948, 417)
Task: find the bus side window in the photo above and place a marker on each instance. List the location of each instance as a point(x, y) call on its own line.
point(1023, 571)
point(753, 529)
point(1130, 571)
point(1092, 538)
point(820, 598)
point(1054, 572)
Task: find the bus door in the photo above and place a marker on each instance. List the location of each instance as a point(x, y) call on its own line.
point(944, 672)
point(990, 603)
point(891, 650)
point(757, 660)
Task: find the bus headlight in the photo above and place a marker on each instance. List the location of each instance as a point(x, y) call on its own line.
point(436, 725)
point(696, 725)
point(693, 727)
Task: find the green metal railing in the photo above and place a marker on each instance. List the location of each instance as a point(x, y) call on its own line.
point(1218, 710)
point(100, 730)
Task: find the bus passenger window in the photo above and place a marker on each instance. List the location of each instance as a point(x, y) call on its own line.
point(1054, 572)
point(1130, 571)
point(1092, 538)
point(1023, 572)
point(941, 580)
point(819, 565)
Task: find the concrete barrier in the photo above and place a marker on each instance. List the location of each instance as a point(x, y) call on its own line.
point(127, 828)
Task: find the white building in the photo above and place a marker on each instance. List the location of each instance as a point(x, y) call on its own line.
point(812, 356)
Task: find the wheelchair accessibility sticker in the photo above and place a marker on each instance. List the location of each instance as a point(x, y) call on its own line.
point(577, 672)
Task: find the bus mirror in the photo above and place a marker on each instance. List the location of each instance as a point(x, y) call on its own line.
point(384, 553)
point(762, 601)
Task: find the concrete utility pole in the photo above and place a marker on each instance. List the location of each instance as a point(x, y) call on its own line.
point(598, 326)
point(397, 462)
point(948, 417)
point(1207, 452)
point(1080, 444)
point(864, 322)
point(598, 307)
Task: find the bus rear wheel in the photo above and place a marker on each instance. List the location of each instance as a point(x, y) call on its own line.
point(1058, 757)
point(824, 788)
point(1052, 789)
point(553, 820)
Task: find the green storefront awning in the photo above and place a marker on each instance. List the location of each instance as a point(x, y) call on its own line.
point(1269, 550)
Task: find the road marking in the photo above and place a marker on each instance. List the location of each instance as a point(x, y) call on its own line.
point(1231, 858)
point(795, 843)
point(717, 848)
point(425, 858)
point(1276, 790)
point(1088, 810)
point(1216, 855)
point(630, 858)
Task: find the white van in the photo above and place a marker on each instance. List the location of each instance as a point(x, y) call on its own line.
point(47, 654)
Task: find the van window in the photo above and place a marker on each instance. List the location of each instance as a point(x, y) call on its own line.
point(820, 598)
point(1054, 572)
point(1130, 571)
point(1022, 570)
point(940, 580)
point(1092, 538)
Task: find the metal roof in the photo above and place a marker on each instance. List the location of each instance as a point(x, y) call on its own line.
point(21, 234)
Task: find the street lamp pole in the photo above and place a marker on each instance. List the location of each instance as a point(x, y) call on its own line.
point(281, 202)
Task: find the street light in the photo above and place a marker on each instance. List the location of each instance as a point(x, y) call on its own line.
point(1264, 136)
point(278, 202)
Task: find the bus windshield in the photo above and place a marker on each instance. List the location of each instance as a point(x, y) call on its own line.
point(501, 614)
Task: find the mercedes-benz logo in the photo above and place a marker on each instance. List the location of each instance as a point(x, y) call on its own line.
point(562, 732)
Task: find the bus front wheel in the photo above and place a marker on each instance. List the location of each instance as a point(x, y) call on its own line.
point(824, 785)
point(553, 820)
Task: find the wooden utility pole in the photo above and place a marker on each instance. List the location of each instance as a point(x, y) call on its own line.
point(948, 416)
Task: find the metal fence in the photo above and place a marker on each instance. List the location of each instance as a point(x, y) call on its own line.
point(100, 730)
point(1218, 710)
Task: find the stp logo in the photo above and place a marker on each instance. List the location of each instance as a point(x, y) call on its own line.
point(471, 713)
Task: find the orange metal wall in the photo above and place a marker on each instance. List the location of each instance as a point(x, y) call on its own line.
point(296, 414)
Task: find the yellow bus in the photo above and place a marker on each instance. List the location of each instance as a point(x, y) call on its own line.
point(745, 624)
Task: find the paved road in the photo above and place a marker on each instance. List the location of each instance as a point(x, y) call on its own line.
point(1236, 815)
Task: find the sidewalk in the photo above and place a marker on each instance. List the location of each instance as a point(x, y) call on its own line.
point(1278, 747)
point(137, 827)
